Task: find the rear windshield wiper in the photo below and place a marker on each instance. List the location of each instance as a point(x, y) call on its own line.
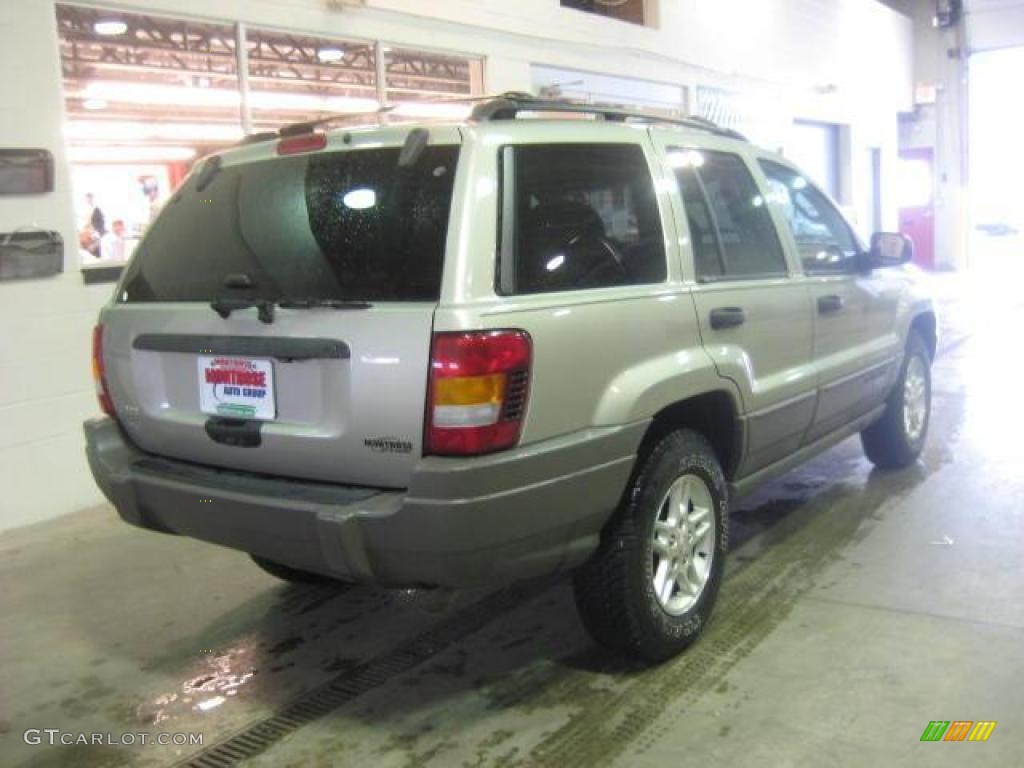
point(225, 306)
point(309, 303)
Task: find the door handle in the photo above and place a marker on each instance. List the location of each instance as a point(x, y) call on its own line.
point(727, 317)
point(828, 304)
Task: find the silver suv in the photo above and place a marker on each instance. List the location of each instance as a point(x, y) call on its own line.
point(463, 354)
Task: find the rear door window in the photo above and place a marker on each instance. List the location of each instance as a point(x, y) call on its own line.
point(578, 216)
point(347, 225)
point(731, 229)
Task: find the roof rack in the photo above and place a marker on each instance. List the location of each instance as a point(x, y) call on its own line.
point(508, 106)
point(308, 126)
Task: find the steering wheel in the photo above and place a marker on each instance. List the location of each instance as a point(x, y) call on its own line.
point(614, 267)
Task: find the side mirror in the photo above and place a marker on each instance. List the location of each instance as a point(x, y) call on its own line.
point(889, 249)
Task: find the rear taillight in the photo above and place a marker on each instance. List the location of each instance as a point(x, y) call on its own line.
point(99, 373)
point(479, 383)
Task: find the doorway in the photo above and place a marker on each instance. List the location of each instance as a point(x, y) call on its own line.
point(996, 165)
point(915, 198)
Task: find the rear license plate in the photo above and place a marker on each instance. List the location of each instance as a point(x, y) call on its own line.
point(237, 387)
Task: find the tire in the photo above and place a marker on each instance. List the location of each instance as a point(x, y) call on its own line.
point(895, 440)
point(615, 590)
point(292, 575)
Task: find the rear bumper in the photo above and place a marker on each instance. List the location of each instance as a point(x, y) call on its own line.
point(462, 522)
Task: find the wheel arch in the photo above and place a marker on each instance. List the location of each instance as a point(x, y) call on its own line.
point(714, 414)
point(925, 325)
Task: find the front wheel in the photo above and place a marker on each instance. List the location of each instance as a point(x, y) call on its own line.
point(896, 439)
point(650, 587)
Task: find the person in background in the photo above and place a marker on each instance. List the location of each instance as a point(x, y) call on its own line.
point(151, 190)
point(94, 227)
point(95, 217)
point(112, 243)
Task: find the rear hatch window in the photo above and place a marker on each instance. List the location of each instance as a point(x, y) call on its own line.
point(346, 225)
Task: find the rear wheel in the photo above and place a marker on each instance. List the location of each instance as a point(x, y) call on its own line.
point(896, 439)
point(650, 587)
point(292, 575)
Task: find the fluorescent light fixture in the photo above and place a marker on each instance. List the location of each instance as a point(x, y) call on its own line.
point(123, 130)
point(109, 27)
point(182, 96)
point(95, 103)
point(360, 199)
point(330, 54)
point(130, 154)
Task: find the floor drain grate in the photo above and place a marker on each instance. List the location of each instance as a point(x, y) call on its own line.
point(354, 682)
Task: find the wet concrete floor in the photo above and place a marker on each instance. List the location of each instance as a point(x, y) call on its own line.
point(858, 606)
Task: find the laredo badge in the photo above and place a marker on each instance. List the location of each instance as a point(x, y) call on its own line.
point(388, 445)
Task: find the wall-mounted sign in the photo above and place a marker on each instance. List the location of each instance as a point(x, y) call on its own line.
point(25, 171)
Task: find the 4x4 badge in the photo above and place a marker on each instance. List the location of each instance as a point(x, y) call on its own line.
point(388, 445)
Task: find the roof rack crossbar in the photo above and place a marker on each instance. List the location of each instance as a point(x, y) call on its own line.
point(509, 105)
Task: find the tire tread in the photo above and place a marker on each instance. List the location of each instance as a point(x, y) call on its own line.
point(885, 442)
point(605, 595)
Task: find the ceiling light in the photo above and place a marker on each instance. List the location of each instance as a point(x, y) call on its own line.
point(95, 103)
point(330, 54)
point(110, 27)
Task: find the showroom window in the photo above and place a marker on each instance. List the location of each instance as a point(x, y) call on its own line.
point(633, 11)
point(415, 77)
point(578, 216)
point(291, 76)
point(147, 95)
